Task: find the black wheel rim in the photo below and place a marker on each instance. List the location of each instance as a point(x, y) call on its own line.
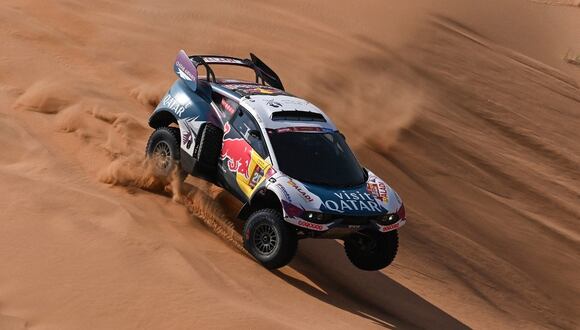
point(265, 239)
point(162, 155)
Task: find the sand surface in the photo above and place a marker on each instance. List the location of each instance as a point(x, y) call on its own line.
point(465, 107)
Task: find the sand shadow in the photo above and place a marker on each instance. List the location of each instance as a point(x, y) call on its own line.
point(371, 295)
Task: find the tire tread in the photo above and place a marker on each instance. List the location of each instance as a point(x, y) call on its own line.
point(287, 251)
point(209, 147)
point(390, 244)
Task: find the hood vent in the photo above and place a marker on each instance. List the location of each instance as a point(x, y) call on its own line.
point(297, 116)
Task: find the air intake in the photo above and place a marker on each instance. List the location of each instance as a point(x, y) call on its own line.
point(297, 116)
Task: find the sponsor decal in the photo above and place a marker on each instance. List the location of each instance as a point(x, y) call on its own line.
point(184, 68)
point(378, 190)
point(257, 174)
point(251, 89)
point(284, 192)
point(271, 171)
point(239, 86)
point(303, 192)
point(310, 225)
point(228, 107)
point(189, 135)
point(237, 152)
point(171, 103)
point(210, 60)
point(183, 72)
point(261, 90)
point(353, 201)
point(394, 226)
point(273, 103)
point(187, 139)
point(292, 102)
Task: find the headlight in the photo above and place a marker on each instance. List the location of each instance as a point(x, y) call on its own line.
point(389, 219)
point(316, 217)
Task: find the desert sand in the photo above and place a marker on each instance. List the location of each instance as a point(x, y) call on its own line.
point(465, 107)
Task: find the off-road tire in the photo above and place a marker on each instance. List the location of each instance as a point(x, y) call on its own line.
point(171, 137)
point(270, 222)
point(208, 148)
point(377, 251)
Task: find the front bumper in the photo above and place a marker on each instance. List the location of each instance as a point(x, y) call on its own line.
point(346, 225)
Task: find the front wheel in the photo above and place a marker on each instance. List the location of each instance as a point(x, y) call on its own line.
point(269, 239)
point(372, 250)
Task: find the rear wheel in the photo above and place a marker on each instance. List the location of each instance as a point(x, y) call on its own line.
point(269, 239)
point(372, 250)
point(163, 148)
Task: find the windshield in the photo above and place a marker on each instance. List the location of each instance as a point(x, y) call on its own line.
point(320, 158)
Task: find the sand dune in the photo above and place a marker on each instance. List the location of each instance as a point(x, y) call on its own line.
point(474, 120)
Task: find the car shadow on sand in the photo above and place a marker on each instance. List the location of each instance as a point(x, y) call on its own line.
point(372, 295)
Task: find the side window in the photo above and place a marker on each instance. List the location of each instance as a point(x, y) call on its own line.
point(247, 127)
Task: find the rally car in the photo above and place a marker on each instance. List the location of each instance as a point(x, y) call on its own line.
point(280, 155)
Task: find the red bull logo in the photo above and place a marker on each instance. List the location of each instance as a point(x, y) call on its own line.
point(238, 154)
point(378, 190)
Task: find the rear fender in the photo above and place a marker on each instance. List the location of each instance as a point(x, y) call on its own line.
point(185, 108)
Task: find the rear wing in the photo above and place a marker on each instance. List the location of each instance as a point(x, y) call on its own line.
point(186, 68)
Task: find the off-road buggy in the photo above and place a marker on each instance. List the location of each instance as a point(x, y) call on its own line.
point(281, 156)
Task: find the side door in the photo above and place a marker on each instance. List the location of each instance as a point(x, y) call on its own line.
point(244, 157)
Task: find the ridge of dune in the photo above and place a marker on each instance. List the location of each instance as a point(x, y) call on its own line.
point(559, 2)
point(473, 124)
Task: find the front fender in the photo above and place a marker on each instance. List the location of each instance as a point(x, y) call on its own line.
point(263, 198)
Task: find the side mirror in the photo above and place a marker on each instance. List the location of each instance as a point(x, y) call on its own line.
point(185, 70)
